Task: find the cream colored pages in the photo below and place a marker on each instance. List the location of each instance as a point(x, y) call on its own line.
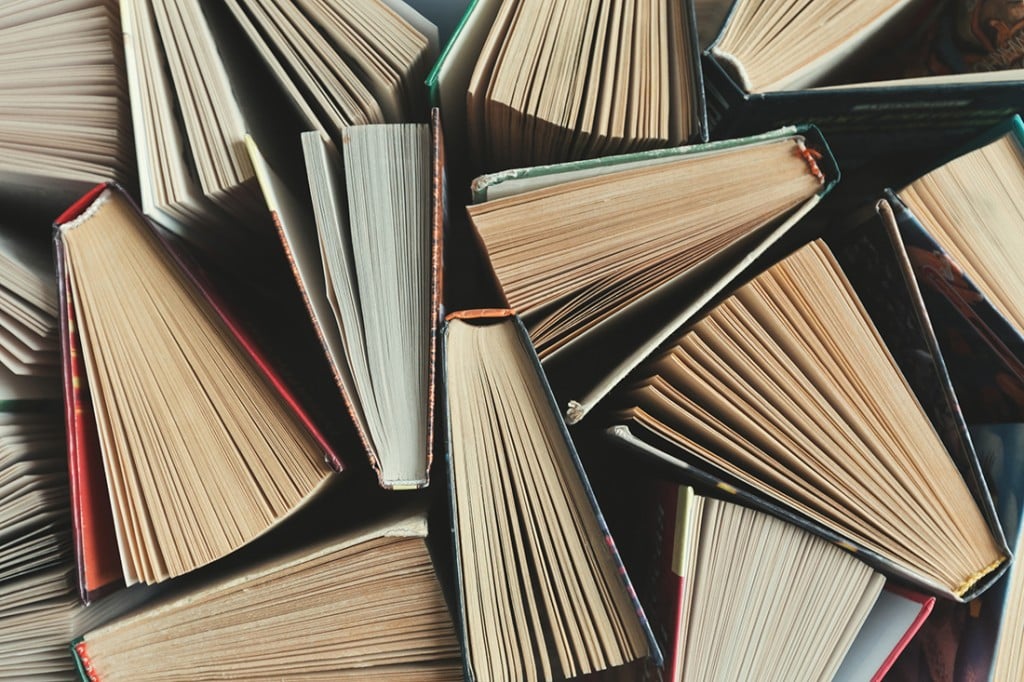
point(768, 600)
point(557, 82)
point(363, 604)
point(787, 386)
point(201, 454)
point(766, 43)
point(971, 206)
point(63, 91)
point(524, 521)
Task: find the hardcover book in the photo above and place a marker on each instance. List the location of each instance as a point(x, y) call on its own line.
point(533, 555)
point(394, 207)
point(860, 630)
point(362, 604)
point(587, 102)
point(955, 234)
point(606, 259)
point(855, 85)
point(788, 392)
point(183, 443)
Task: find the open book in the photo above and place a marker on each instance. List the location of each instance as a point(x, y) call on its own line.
point(366, 256)
point(787, 389)
point(956, 231)
point(175, 422)
point(365, 604)
point(737, 584)
point(884, 77)
point(607, 259)
point(534, 83)
point(534, 558)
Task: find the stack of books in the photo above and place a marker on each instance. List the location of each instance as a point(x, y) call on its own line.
point(511, 340)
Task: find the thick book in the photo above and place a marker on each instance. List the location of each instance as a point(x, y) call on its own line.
point(606, 259)
point(348, 298)
point(203, 75)
point(860, 628)
point(362, 604)
point(787, 394)
point(760, 74)
point(598, 110)
point(534, 559)
point(954, 234)
point(183, 443)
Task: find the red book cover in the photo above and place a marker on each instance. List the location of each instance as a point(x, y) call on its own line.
point(99, 567)
point(96, 546)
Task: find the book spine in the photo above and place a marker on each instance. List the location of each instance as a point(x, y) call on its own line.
point(439, 221)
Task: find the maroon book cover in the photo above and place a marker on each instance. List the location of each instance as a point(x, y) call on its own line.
point(96, 547)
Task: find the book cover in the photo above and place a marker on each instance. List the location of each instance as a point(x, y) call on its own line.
point(490, 316)
point(96, 545)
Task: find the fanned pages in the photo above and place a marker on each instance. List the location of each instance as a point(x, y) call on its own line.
point(556, 82)
point(610, 258)
point(202, 448)
point(28, 306)
point(787, 387)
point(350, 62)
point(375, 231)
point(872, 44)
point(542, 591)
point(765, 42)
point(764, 599)
point(64, 101)
point(971, 206)
point(363, 605)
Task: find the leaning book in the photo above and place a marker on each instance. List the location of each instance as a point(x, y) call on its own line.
point(184, 444)
point(787, 391)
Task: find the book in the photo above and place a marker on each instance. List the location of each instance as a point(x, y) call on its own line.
point(787, 390)
point(855, 84)
point(328, 215)
point(951, 231)
point(542, 593)
point(64, 102)
point(606, 259)
point(183, 443)
point(258, 68)
point(891, 625)
point(579, 94)
point(364, 603)
point(658, 522)
point(747, 582)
